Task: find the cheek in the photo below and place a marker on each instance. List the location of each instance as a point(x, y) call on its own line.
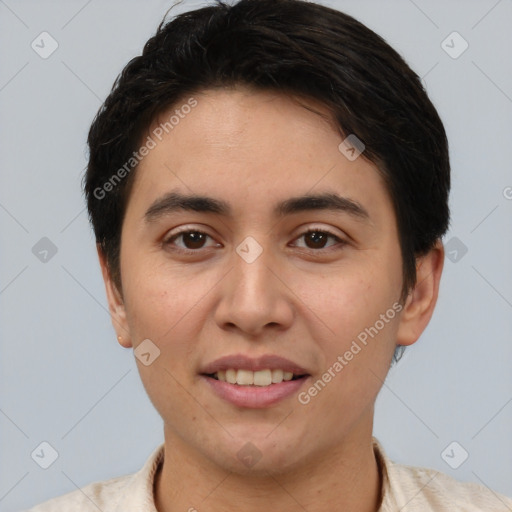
point(351, 298)
point(160, 301)
point(160, 313)
point(361, 310)
point(354, 370)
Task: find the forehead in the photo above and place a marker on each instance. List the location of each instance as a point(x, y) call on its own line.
point(253, 147)
point(240, 118)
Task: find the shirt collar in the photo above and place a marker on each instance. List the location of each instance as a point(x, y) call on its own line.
point(388, 498)
point(138, 492)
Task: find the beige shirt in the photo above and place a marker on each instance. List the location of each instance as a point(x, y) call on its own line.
point(405, 489)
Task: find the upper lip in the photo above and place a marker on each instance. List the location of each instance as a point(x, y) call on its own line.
point(243, 362)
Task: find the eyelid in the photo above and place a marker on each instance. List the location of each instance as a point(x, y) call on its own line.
point(304, 231)
point(317, 228)
point(341, 241)
point(182, 231)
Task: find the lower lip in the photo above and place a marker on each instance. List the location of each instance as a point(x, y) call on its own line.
point(255, 397)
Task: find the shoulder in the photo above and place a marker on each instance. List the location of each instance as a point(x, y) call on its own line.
point(93, 497)
point(410, 489)
point(128, 493)
point(425, 487)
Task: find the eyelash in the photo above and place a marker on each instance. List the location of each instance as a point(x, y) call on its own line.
point(175, 236)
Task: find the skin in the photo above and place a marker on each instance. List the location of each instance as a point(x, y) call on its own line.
point(299, 299)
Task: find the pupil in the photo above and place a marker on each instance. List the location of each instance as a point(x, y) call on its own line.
point(317, 237)
point(196, 238)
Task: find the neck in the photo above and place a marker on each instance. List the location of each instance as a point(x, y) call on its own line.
point(345, 478)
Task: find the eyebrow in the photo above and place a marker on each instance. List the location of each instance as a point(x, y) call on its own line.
point(175, 201)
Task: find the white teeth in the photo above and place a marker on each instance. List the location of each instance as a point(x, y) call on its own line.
point(249, 378)
point(231, 376)
point(263, 378)
point(244, 377)
point(277, 376)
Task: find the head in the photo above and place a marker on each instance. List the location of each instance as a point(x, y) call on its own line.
point(255, 105)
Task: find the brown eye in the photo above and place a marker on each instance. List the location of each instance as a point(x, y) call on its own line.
point(192, 241)
point(317, 239)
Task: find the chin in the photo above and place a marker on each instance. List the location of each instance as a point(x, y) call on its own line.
point(258, 455)
point(260, 464)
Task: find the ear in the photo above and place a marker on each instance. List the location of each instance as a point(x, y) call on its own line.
point(420, 303)
point(115, 303)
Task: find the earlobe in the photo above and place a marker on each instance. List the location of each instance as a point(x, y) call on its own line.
point(115, 302)
point(420, 303)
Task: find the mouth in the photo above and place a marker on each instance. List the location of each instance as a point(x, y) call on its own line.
point(261, 378)
point(248, 382)
point(254, 389)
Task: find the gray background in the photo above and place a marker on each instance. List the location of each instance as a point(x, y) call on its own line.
point(65, 380)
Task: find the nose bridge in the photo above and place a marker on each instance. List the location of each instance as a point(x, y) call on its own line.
point(253, 296)
point(251, 273)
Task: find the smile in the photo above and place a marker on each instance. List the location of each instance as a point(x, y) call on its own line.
point(258, 378)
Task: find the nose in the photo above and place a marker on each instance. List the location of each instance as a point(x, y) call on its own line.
point(255, 296)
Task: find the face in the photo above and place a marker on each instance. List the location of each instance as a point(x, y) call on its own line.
point(261, 278)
